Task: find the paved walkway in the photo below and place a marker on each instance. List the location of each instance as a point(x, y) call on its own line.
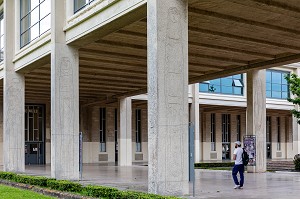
point(209, 184)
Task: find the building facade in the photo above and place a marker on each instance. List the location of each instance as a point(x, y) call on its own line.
point(131, 75)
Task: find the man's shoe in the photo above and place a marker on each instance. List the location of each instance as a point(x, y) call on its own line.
point(240, 187)
point(236, 187)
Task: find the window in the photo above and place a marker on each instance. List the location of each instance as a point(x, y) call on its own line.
point(35, 19)
point(276, 84)
point(79, 4)
point(232, 85)
point(225, 136)
point(213, 131)
point(138, 130)
point(278, 134)
point(102, 130)
point(1, 37)
point(268, 137)
point(238, 127)
point(225, 127)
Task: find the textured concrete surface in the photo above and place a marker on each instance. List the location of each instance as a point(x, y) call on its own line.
point(64, 100)
point(209, 184)
point(125, 141)
point(167, 96)
point(13, 100)
point(256, 115)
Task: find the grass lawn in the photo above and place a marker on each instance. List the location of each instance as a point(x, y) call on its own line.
point(7, 192)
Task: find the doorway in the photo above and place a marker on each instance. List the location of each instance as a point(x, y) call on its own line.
point(34, 134)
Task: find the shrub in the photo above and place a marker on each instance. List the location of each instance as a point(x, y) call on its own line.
point(68, 186)
point(64, 185)
point(7, 175)
point(32, 180)
point(297, 162)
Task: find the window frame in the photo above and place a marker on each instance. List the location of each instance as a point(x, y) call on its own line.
point(282, 73)
point(26, 30)
point(102, 129)
point(213, 131)
point(235, 82)
point(138, 130)
point(82, 7)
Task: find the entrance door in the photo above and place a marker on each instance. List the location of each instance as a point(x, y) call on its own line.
point(34, 134)
point(226, 151)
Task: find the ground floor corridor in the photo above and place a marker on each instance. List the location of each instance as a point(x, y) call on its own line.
point(209, 183)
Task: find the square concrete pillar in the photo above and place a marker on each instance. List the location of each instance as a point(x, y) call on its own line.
point(195, 120)
point(64, 100)
point(167, 96)
point(13, 100)
point(125, 142)
point(256, 116)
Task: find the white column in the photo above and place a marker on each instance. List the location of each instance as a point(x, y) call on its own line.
point(125, 142)
point(167, 96)
point(14, 100)
point(64, 99)
point(296, 127)
point(256, 116)
point(195, 119)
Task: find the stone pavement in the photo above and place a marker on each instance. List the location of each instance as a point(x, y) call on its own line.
point(209, 184)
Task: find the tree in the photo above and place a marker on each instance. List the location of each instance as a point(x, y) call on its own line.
point(294, 85)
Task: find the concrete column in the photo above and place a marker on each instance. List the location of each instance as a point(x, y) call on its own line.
point(256, 116)
point(296, 127)
point(64, 100)
point(195, 119)
point(125, 142)
point(167, 96)
point(14, 100)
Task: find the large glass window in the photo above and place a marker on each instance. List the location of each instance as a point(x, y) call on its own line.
point(79, 4)
point(1, 37)
point(278, 134)
point(268, 137)
point(238, 127)
point(213, 131)
point(232, 85)
point(276, 84)
point(35, 19)
point(102, 130)
point(138, 130)
point(226, 136)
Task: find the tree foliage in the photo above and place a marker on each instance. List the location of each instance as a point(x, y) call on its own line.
point(294, 85)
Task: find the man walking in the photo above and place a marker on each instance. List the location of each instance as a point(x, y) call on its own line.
point(238, 165)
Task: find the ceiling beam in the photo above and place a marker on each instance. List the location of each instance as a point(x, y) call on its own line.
point(242, 69)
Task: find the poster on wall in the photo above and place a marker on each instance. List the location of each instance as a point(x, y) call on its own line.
point(250, 148)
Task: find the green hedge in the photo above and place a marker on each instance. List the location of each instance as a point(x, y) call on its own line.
point(214, 164)
point(89, 190)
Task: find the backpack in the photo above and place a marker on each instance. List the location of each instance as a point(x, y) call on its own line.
point(245, 158)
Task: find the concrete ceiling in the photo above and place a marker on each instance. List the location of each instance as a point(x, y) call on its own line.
point(225, 37)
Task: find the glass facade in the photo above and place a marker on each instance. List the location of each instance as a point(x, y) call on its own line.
point(35, 19)
point(232, 85)
point(276, 84)
point(1, 37)
point(79, 4)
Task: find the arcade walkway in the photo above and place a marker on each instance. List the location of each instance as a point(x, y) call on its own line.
point(209, 184)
